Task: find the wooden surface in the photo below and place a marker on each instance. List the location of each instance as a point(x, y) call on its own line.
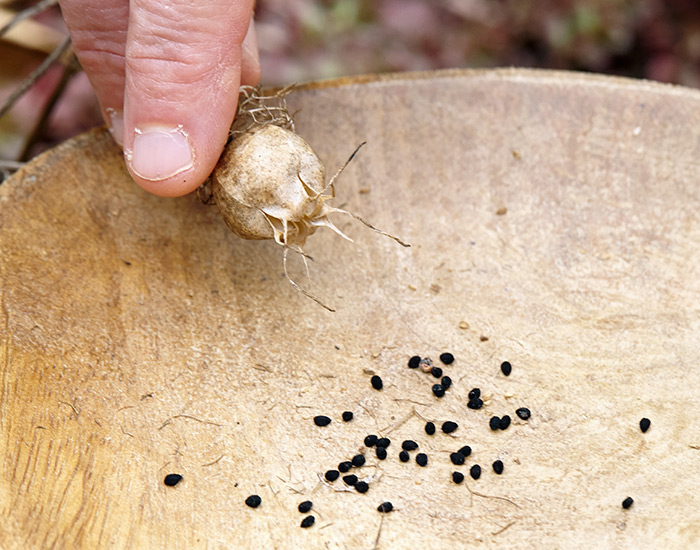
point(139, 337)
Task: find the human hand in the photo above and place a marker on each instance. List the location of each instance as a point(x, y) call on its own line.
point(167, 75)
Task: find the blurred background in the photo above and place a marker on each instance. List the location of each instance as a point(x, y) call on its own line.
point(304, 40)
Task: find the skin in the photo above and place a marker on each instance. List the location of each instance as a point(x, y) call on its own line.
point(169, 70)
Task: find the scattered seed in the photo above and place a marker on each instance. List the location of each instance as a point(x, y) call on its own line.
point(321, 420)
point(305, 506)
point(371, 440)
point(466, 450)
point(498, 467)
point(404, 456)
point(381, 453)
point(506, 368)
point(358, 461)
point(457, 477)
point(449, 426)
point(347, 416)
point(385, 507)
point(344, 467)
point(377, 383)
point(307, 522)
point(457, 458)
point(475, 471)
point(447, 358)
point(475, 404)
point(438, 390)
point(505, 422)
point(495, 423)
point(429, 428)
point(414, 362)
point(446, 382)
point(474, 394)
point(383, 442)
point(644, 424)
point(350, 479)
point(409, 445)
point(172, 479)
point(362, 486)
point(436, 372)
point(629, 501)
point(253, 501)
point(523, 413)
point(422, 459)
point(332, 475)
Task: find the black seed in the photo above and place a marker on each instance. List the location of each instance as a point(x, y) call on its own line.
point(644, 424)
point(381, 453)
point(332, 475)
point(344, 467)
point(350, 479)
point(358, 460)
point(404, 456)
point(498, 467)
point(449, 426)
point(495, 423)
point(361, 487)
point(457, 459)
point(475, 403)
point(436, 372)
point(505, 422)
point(321, 420)
point(475, 471)
point(308, 521)
point(409, 445)
point(474, 394)
point(446, 382)
point(629, 501)
point(347, 416)
point(506, 368)
point(385, 507)
point(414, 362)
point(447, 358)
point(377, 383)
point(422, 459)
point(371, 440)
point(466, 450)
point(383, 442)
point(457, 477)
point(253, 501)
point(172, 479)
point(305, 506)
point(523, 413)
point(438, 390)
point(429, 428)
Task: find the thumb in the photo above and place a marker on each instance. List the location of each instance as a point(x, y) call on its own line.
point(183, 69)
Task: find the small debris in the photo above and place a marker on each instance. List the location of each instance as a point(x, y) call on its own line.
point(430, 428)
point(501, 211)
point(426, 364)
point(322, 420)
point(377, 382)
point(253, 501)
point(629, 501)
point(457, 477)
point(348, 416)
point(385, 507)
point(305, 506)
point(449, 426)
point(506, 368)
point(422, 459)
point(498, 467)
point(463, 325)
point(172, 479)
point(644, 424)
point(475, 471)
point(447, 358)
point(483, 338)
point(523, 413)
point(307, 522)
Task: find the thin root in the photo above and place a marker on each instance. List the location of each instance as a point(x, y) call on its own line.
point(299, 288)
point(358, 218)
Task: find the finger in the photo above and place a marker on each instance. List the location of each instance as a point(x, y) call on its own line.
point(183, 68)
point(98, 32)
point(250, 62)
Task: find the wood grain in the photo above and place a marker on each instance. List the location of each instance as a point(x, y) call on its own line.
point(140, 337)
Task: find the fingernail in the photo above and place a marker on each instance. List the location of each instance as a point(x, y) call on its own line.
point(160, 152)
point(116, 124)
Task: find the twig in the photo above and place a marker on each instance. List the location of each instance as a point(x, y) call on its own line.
point(29, 12)
point(379, 532)
point(212, 463)
point(169, 420)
